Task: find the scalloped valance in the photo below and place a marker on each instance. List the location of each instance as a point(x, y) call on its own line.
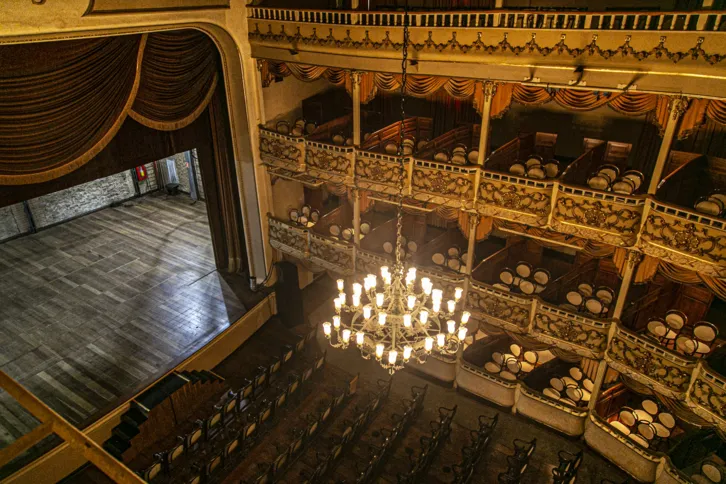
point(61, 103)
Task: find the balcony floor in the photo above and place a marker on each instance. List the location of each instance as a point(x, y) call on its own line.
point(96, 308)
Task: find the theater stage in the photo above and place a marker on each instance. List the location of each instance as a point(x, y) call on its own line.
point(96, 308)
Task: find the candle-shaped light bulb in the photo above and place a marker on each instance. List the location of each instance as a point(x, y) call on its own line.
point(462, 333)
point(341, 285)
point(374, 281)
point(423, 315)
point(412, 273)
point(336, 322)
point(360, 338)
point(407, 320)
point(346, 335)
point(437, 295)
point(411, 301)
point(379, 350)
point(407, 353)
point(451, 326)
point(357, 289)
point(342, 297)
point(382, 318)
point(451, 305)
point(392, 356)
point(465, 317)
point(379, 299)
point(338, 304)
point(356, 300)
point(457, 293)
point(326, 328)
point(426, 285)
point(440, 339)
point(384, 271)
point(436, 307)
point(429, 343)
point(367, 311)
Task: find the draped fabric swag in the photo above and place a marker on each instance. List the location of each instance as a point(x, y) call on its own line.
point(60, 112)
point(699, 110)
point(175, 89)
point(631, 104)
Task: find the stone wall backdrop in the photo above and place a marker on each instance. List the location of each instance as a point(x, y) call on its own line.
point(198, 170)
point(182, 171)
point(79, 200)
point(13, 221)
point(149, 185)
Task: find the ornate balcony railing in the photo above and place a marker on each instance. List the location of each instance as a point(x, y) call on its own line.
point(677, 235)
point(330, 162)
point(591, 214)
point(631, 354)
point(444, 183)
point(282, 151)
point(685, 238)
point(499, 308)
point(522, 200)
point(572, 332)
point(519, 19)
point(649, 363)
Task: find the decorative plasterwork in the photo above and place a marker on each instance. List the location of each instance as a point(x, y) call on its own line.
point(592, 49)
point(585, 337)
point(499, 309)
point(96, 7)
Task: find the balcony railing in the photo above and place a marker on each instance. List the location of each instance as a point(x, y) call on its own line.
point(632, 354)
point(512, 19)
point(678, 235)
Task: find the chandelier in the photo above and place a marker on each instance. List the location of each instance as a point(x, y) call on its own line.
point(396, 317)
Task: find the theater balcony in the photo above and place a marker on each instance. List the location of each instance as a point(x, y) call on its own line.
point(537, 46)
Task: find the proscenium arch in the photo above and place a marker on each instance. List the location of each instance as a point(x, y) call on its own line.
point(241, 106)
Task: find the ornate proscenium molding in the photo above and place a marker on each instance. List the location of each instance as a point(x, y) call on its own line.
point(100, 7)
point(593, 49)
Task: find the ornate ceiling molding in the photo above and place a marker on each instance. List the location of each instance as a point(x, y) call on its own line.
point(102, 7)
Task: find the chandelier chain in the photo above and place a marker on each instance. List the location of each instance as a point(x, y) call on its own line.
point(401, 158)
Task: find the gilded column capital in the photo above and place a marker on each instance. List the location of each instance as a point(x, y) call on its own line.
point(355, 76)
point(678, 106)
point(490, 88)
point(634, 258)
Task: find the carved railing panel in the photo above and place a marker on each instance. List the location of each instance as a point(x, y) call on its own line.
point(498, 308)
point(685, 238)
point(282, 151)
point(513, 198)
point(443, 183)
point(367, 262)
point(288, 238)
point(707, 396)
point(650, 364)
point(600, 216)
point(331, 254)
point(569, 331)
point(381, 173)
point(329, 162)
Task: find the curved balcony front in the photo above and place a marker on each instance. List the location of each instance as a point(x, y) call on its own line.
point(685, 238)
point(570, 331)
point(616, 447)
point(649, 363)
point(282, 151)
point(567, 419)
point(498, 308)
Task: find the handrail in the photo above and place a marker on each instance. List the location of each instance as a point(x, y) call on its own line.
point(702, 20)
point(51, 422)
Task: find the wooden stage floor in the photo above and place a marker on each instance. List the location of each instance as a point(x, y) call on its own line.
point(94, 309)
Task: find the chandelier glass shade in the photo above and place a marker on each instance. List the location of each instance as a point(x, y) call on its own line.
point(397, 318)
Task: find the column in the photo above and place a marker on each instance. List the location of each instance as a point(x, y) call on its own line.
point(489, 90)
point(677, 106)
point(355, 78)
point(597, 384)
point(473, 222)
point(356, 216)
point(631, 263)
